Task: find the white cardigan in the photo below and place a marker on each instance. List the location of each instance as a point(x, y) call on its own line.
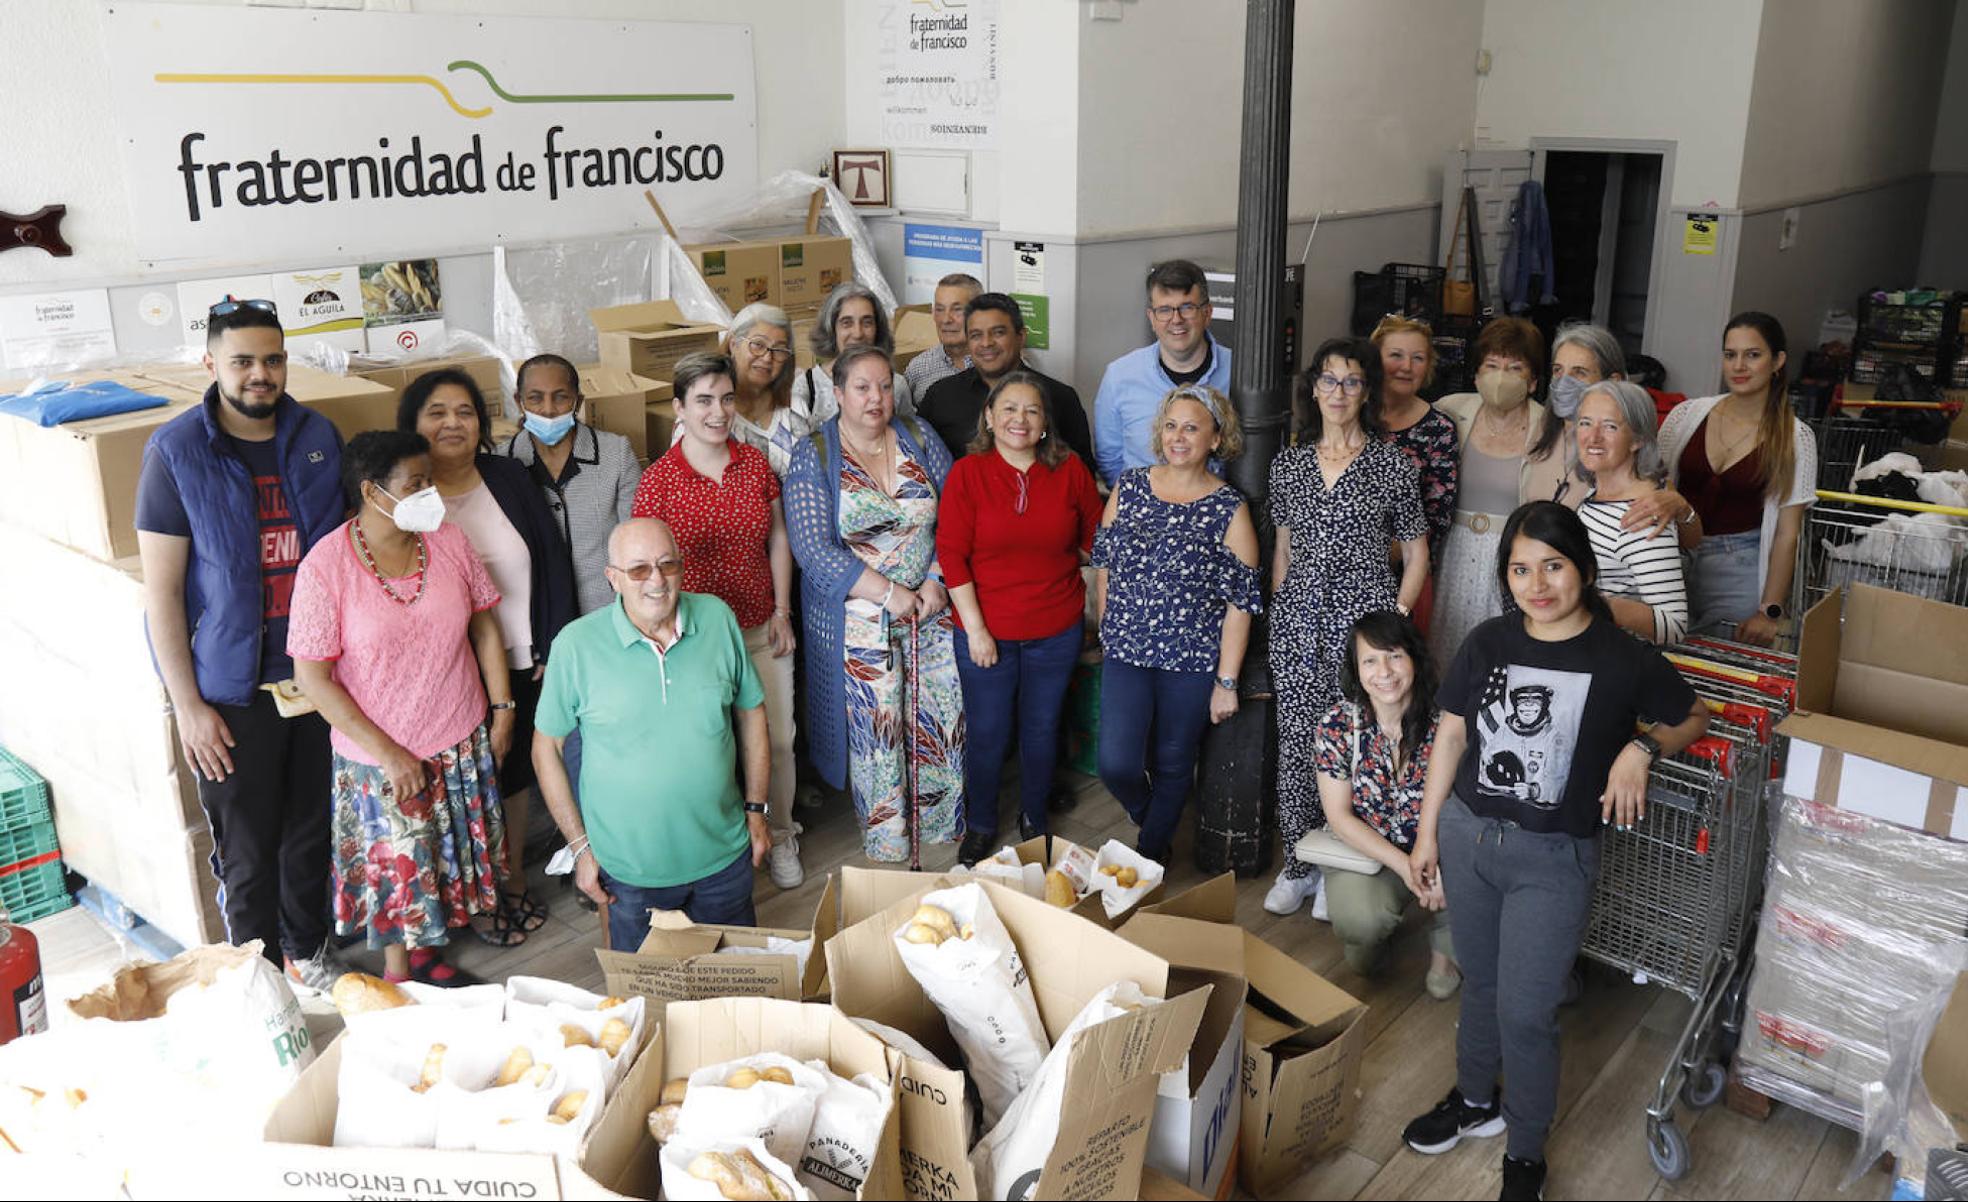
point(1686, 418)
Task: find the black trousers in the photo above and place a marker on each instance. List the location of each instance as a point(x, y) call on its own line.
point(270, 829)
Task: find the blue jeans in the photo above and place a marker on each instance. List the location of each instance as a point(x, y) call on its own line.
point(1722, 582)
point(1140, 706)
point(1025, 692)
point(723, 898)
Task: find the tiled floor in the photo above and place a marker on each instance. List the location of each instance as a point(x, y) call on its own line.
point(1616, 1040)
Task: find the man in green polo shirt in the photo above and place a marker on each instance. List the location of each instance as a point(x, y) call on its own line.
point(651, 682)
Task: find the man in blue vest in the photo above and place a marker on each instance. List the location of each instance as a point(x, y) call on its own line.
point(1183, 352)
point(232, 495)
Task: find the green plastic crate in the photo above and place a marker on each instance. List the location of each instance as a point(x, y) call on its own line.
point(40, 889)
point(23, 794)
point(26, 842)
point(1083, 720)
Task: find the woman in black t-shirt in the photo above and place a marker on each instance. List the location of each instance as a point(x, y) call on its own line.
point(1536, 753)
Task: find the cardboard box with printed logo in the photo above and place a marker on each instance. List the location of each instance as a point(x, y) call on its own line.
point(682, 961)
point(811, 267)
point(649, 337)
point(741, 273)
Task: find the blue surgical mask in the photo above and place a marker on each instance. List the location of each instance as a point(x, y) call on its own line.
point(1565, 394)
point(549, 430)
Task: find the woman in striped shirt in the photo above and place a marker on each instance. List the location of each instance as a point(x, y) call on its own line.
point(1616, 451)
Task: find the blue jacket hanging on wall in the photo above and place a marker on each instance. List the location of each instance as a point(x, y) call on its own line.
point(1528, 252)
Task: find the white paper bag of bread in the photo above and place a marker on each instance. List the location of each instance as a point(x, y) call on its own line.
point(613, 1026)
point(703, 1168)
point(1123, 876)
point(958, 950)
point(767, 1095)
point(847, 1127)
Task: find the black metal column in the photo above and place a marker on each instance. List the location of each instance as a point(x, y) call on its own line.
point(1240, 757)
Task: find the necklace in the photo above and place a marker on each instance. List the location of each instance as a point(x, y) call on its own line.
point(863, 457)
point(369, 561)
point(1496, 427)
point(1733, 444)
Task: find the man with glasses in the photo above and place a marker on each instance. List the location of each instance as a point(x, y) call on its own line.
point(954, 292)
point(995, 331)
point(231, 495)
point(1134, 384)
point(653, 683)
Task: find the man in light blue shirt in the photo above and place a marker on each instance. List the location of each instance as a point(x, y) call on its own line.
point(1183, 353)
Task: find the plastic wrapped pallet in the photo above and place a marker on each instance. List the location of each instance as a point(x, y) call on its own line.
point(1854, 907)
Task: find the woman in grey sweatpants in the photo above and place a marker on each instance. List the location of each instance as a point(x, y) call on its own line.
point(1535, 754)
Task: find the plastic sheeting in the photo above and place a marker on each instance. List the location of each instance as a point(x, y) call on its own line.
point(1901, 1119)
point(541, 295)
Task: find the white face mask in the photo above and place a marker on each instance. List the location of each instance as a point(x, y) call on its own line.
point(419, 513)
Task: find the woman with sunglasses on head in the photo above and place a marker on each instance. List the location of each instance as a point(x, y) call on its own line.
point(1340, 498)
point(722, 502)
point(1535, 755)
point(495, 502)
point(1174, 595)
point(1016, 521)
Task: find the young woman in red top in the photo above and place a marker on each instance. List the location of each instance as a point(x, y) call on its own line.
point(1017, 518)
point(721, 500)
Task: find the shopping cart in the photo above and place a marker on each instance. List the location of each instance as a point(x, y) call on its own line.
point(1852, 434)
point(1909, 546)
point(1677, 893)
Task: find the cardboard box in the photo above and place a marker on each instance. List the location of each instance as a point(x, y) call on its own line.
point(621, 1156)
point(1113, 1075)
point(486, 371)
point(915, 332)
point(354, 403)
point(648, 338)
point(1090, 907)
point(741, 273)
point(679, 961)
point(617, 401)
point(811, 267)
point(1303, 1039)
point(77, 483)
point(802, 336)
point(1882, 709)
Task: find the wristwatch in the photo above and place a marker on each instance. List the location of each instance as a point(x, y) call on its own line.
point(1227, 682)
point(755, 807)
point(1774, 611)
point(1648, 744)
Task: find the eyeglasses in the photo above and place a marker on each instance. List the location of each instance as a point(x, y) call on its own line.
point(640, 572)
point(1351, 385)
point(231, 305)
point(1187, 310)
point(759, 346)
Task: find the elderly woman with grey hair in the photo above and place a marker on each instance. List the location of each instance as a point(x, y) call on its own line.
point(851, 316)
point(766, 415)
point(1617, 453)
point(1581, 355)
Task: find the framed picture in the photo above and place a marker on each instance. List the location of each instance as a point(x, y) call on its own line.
point(862, 177)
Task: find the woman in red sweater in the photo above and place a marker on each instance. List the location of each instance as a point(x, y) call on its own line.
point(1016, 521)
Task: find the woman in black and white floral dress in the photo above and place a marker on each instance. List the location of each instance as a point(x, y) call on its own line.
point(1340, 498)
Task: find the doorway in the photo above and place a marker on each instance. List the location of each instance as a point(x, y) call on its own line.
point(1604, 208)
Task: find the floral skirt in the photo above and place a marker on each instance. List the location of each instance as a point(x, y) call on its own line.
point(889, 716)
point(407, 870)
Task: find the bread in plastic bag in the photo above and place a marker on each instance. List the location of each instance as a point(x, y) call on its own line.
point(978, 983)
point(1008, 1160)
point(683, 1153)
point(847, 1127)
point(742, 1098)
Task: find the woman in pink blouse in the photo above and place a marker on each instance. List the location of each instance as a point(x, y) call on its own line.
point(394, 640)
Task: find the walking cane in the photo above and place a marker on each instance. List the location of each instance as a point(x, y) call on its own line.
point(910, 781)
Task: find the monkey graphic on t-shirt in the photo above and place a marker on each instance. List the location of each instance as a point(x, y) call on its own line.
point(1527, 727)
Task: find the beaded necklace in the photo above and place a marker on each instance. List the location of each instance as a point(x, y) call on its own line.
point(369, 561)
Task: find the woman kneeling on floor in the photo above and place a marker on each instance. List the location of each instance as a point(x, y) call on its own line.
point(1536, 753)
point(1372, 752)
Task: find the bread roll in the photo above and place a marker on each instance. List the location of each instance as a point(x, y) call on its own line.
point(1110, 870)
point(609, 1003)
point(1059, 890)
point(433, 1069)
point(360, 993)
point(776, 1075)
point(569, 1106)
point(572, 1036)
point(937, 919)
point(923, 933)
point(739, 1176)
point(1127, 878)
point(741, 1078)
point(663, 1122)
point(614, 1035)
point(674, 1089)
point(517, 1062)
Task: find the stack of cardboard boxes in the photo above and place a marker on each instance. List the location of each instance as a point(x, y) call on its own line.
point(1869, 877)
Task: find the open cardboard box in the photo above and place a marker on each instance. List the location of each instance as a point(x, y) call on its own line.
point(485, 370)
point(618, 401)
point(621, 1158)
point(1303, 1038)
point(1881, 722)
point(1103, 1134)
point(679, 960)
point(649, 337)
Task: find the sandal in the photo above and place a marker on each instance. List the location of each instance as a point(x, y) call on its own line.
point(498, 928)
point(427, 968)
point(523, 910)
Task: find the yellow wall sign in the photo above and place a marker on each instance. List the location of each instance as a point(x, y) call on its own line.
point(1698, 234)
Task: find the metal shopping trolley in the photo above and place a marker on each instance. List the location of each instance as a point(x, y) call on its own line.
point(1908, 546)
point(1852, 434)
point(1677, 894)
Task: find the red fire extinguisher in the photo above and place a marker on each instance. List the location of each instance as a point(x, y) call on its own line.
point(23, 1003)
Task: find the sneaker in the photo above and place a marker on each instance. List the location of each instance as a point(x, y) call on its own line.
point(1289, 893)
point(1442, 985)
point(975, 846)
point(1319, 911)
point(784, 863)
point(1523, 1180)
point(1443, 1127)
point(317, 973)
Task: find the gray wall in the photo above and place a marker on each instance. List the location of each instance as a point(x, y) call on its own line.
point(1944, 249)
point(1846, 244)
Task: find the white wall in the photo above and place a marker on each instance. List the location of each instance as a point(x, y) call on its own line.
point(1380, 90)
point(61, 142)
point(1844, 96)
point(1678, 70)
point(1039, 118)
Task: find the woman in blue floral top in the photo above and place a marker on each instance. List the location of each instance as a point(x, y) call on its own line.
point(1177, 585)
point(1372, 753)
